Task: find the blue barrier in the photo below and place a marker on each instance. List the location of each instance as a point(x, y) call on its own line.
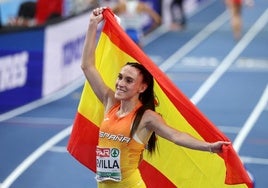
point(21, 67)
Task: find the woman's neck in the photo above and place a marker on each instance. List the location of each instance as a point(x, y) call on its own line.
point(126, 107)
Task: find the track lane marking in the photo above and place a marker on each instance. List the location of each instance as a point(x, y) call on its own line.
point(254, 160)
point(41, 102)
point(249, 124)
point(230, 58)
point(34, 156)
point(195, 41)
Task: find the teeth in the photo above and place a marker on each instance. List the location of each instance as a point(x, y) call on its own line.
point(119, 90)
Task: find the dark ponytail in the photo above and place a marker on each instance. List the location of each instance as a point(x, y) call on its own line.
point(148, 102)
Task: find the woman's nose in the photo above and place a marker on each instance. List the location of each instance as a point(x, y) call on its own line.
point(120, 82)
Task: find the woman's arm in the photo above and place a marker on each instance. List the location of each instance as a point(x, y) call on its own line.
point(154, 122)
point(102, 91)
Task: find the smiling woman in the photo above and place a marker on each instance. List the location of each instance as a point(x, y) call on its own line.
point(129, 111)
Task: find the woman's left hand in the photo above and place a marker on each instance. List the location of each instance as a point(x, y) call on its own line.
point(216, 147)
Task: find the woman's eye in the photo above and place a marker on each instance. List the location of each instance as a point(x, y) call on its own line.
point(129, 80)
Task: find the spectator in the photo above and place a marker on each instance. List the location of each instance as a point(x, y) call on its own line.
point(26, 15)
point(47, 10)
point(235, 9)
point(133, 14)
point(178, 21)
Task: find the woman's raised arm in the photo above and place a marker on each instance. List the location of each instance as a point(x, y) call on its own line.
point(101, 90)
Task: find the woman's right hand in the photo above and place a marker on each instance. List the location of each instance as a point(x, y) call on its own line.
point(96, 15)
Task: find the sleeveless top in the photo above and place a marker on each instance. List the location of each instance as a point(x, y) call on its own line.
point(115, 133)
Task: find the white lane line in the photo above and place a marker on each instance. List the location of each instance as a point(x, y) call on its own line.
point(34, 156)
point(165, 28)
point(229, 129)
point(154, 35)
point(55, 96)
point(40, 120)
point(254, 160)
point(195, 41)
point(259, 108)
point(230, 58)
point(58, 149)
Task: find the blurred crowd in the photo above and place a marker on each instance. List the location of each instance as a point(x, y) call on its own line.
point(135, 14)
point(138, 17)
point(39, 12)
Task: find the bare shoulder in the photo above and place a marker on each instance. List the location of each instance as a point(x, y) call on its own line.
point(151, 118)
point(148, 114)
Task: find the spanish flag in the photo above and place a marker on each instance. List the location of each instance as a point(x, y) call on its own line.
point(172, 165)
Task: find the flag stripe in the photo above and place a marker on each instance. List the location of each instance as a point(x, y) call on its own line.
point(154, 178)
point(83, 140)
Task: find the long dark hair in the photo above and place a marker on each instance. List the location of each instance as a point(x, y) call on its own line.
point(147, 99)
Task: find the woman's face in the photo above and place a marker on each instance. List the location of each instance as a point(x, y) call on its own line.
point(129, 83)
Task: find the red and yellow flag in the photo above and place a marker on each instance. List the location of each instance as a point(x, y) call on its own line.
point(171, 166)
